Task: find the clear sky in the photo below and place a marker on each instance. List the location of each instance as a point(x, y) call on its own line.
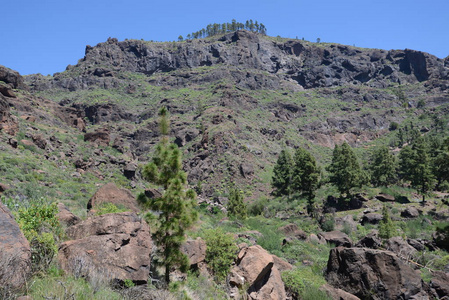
point(43, 36)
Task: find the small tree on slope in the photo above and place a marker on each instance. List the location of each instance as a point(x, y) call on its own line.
point(174, 211)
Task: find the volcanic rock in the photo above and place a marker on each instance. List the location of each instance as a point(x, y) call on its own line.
point(15, 252)
point(373, 274)
point(110, 193)
point(108, 247)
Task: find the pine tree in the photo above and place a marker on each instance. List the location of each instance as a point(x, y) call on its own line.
point(236, 206)
point(441, 164)
point(383, 167)
point(305, 174)
point(282, 173)
point(415, 166)
point(174, 211)
point(345, 171)
point(386, 226)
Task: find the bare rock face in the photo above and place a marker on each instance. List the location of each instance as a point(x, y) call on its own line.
point(195, 250)
point(110, 193)
point(373, 274)
point(337, 238)
point(400, 247)
point(65, 216)
point(256, 268)
point(15, 252)
point(108, 247)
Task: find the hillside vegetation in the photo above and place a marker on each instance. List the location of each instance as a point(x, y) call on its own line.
point(291, 147)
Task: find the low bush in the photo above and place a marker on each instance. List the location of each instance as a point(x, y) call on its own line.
point(220, 252)
point(41, 227)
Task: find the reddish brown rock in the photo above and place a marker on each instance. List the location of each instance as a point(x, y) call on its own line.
point(195, 250)
point(256, 269)
point(110, 193)
point(338, 294)
point(281, 264)
point(108, 247)
point(15, 252)
point(65, 216)
point(373, 274)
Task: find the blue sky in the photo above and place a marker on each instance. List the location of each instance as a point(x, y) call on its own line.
point(45, 36)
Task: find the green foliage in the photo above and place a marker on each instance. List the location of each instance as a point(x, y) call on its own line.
point(415, 166)
point(215, 28)
point(282, 174)
point(41, 227)
point(383, 167)
point(236, 206)
point(271, 239)
point(108, 208)
point(304, 283)
point(328, 223)
point(306, 173)
point(176, 208)
point(129, 283)
point(220, 252)
point(441, 165)
point(386, 226)
point(57, 287)
point(345, 171)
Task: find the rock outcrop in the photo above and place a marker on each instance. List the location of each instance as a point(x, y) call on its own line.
point(110, 193)
point(256, 269)
point(111, 247)
point(336, 238)
point(15, 252)
point(373, 274)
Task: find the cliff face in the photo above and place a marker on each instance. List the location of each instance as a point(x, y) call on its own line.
point(307, 65)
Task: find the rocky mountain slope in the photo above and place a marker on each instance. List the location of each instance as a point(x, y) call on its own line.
point(237, 99)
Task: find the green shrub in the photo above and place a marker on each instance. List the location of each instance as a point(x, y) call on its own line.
point(303, 282)
point(386, 226)
point(42, 229)
point(328, 224)
point(220, 252)
point(108, 208)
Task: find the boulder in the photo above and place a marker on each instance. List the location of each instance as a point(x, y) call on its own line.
point(256, 269)
point(130, 170)
point(65, 216)
point(337, 238)
point(292, 230)
point(110, 193)
point(195, 251)
point(371, 218)
point(385, 198)
point(15, 252)
point(337, 294)
point(371, 240)
point(400, 247)
point(373, 274)
point(439, 284)
point(410, 212)
point(110, 247)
